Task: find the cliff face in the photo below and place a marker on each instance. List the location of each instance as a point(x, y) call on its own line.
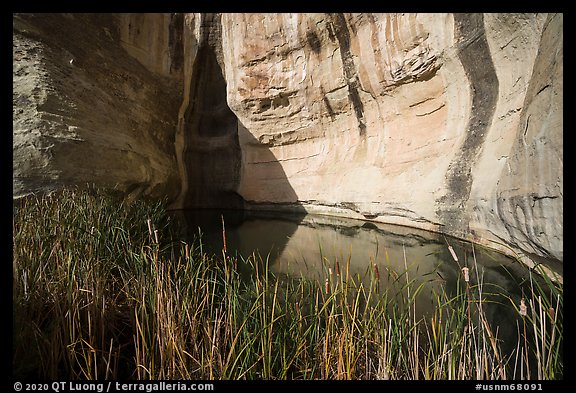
point(86, 110)
point(425, 120)
point(439, 121)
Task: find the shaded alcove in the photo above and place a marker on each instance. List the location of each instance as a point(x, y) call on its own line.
point(212, 156)
point(219, 152)
point(213, 207)
point(215, 160)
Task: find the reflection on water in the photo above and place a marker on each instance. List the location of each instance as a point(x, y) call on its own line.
point(311, 246)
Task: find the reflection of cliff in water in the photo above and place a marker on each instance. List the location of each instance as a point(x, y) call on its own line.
point(309, 246)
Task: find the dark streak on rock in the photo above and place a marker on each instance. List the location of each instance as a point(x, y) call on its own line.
point(474, 54)
point(175, 42)
point(337, 23)
point(313, 41)
point(519, 228)
point(327, 104)
point(526, 127)
point(330, 30)
point(542, 89)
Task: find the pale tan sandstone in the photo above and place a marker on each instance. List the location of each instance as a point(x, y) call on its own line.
point(402, 152)
point(446, 122)
point(86, 111)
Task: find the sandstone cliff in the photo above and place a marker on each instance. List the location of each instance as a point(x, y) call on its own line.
point(448, 122)
point(95, 100)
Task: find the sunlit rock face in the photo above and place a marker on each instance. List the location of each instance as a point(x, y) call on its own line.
point(440, 121)
point(447, 122)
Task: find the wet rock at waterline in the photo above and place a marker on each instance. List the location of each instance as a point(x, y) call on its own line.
point(449, 122)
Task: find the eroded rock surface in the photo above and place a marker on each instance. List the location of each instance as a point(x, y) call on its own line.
point(447, 122)
point(415, 119)
point(87, 111)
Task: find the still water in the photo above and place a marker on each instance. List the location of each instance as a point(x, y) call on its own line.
point(312, 245)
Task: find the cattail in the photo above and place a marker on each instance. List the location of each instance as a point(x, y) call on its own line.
point(552, 313)
point(223, 233)
point(25, 282)
point(453, 253)
point(299, 313)
point(149, 221)
point(187, 252)
point(337, 267)
point(327, 286)
point(523, 309)
point(377, 272)
point(465, 270)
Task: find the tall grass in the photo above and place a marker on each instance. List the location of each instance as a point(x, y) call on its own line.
point(103, 289)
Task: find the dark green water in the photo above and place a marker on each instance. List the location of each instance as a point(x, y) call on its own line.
point(309, 246)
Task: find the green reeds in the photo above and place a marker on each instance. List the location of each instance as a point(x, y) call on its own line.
point(103, 289)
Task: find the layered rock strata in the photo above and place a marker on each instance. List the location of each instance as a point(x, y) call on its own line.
point(420, 120)
point(446, 122)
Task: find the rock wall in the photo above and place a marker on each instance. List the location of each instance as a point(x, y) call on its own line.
point(416, 119)
point(446, 122)
point(86, 110)
point(207, 140)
